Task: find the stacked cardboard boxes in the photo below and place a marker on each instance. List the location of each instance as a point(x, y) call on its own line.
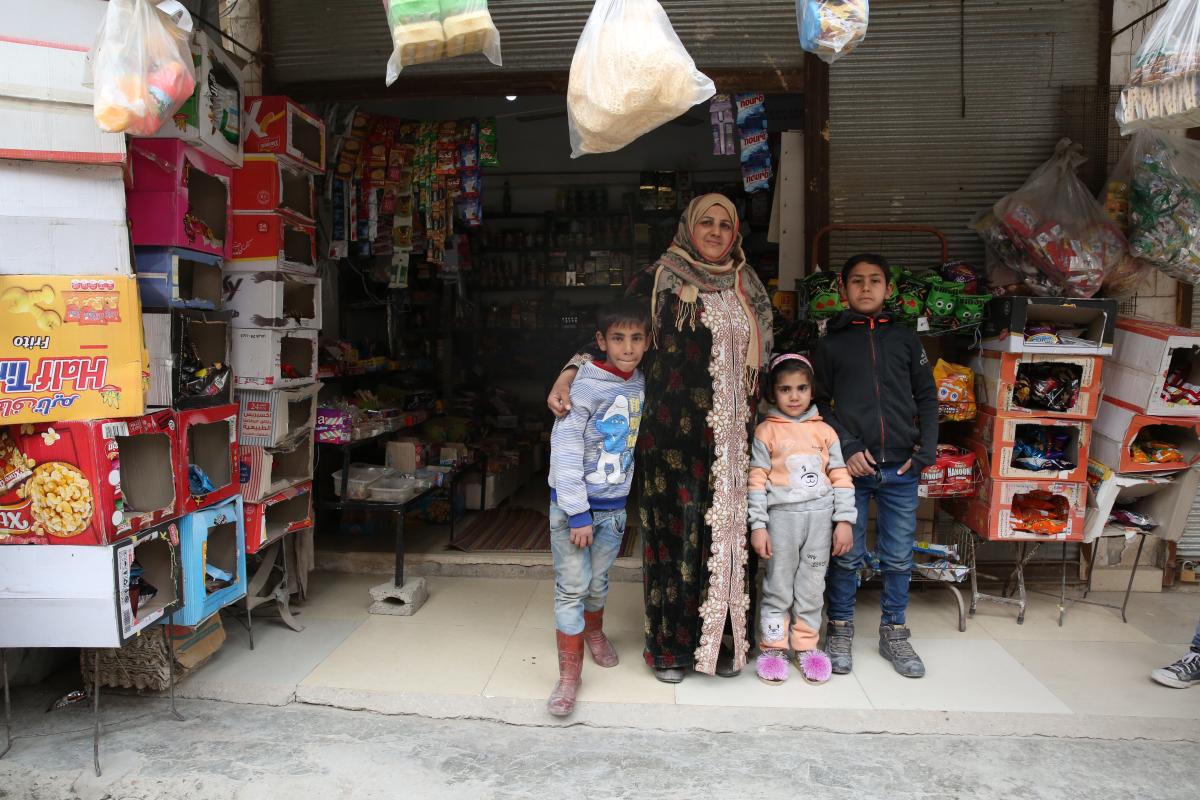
point(1145, 448)
point(274, 295)
point(1038, 379)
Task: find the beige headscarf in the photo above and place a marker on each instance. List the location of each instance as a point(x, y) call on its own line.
point(683, 271)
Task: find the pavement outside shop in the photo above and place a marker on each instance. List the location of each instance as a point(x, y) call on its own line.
point(484, 648)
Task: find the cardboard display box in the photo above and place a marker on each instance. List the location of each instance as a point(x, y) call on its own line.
point(278, 515)
point(990, 514)
point(71, 350)
point(276, 124)
point(275, 418)
point(1091, 321)
point(88, 596)
point(264, 472)
point(86, 482)
point(265, 359)
point(46, 111)
point(273, 241)
point(207, 335)
point(1146, 353)
point(170, 277)
point(997, 378)
point(208, 442)
point(1119, 425)
point(406, 454)
point(273, 300)
point(216, 537)
point(211, 119)
point(179, 197)
point(267, 183)
point(62, 219)
point(994, 444)
point(1166, 499)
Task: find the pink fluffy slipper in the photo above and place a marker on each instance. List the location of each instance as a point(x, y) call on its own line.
point(772, 667)
point(814, 666)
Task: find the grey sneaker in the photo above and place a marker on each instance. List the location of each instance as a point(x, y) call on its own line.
point(1183, 673)
point(839, 636)
point(895, 647)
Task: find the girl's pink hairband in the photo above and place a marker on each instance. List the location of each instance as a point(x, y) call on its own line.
point(775, 362)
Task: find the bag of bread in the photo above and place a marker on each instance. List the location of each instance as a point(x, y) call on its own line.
point(429, 30)
point(630, 74)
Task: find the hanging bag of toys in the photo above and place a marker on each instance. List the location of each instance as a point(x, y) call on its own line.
point(141, 67)
point(1164, 203)
point(1164, 85)
point(830, 29)
point(630, 74)
point(1057, 224)
point(430, 30)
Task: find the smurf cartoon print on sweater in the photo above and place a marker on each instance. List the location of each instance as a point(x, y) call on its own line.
point(618, 427)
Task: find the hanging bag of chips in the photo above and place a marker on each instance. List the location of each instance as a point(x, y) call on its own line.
point(1164, 85)
point(1057, 224)
point(430, 30)
point(1131, 273)
point(630, 74)
point(140, 69)
point(1164, 203)
point(831, 29)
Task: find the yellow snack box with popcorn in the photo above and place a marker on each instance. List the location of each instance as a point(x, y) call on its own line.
point(86, 483)
point(71, 348)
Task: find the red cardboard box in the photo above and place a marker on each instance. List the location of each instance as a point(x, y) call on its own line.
point(179, 197)
point(270, 241)
point(1145, 354)
point(1119, 425)
point(998, 373)
point(266, 471)
point(994, 444)
point(280, 514)
point(86, 483)
point(991, 514)
point(276, 124)
point(268, 183)
point(207, 440)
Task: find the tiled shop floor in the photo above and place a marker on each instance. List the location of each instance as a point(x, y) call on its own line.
point(494, 638)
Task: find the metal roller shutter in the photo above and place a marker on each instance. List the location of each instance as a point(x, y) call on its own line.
point(1189, 545)
point(903, 146)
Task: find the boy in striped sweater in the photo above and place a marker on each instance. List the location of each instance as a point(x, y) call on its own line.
point(591, 469)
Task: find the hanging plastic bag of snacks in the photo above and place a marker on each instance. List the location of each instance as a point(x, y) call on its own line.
point(956, 391)
point(630, 74)
point(430, 30)
point(1132, 273)
point(831, 29)
point(1164, 204)
point(141, 67)
point(1164, 83)
point(1054, 220)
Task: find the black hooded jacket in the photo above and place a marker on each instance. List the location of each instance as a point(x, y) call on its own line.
point(875, 387)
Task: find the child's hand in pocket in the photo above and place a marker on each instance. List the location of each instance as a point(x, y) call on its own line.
point(582, 537)
point(760, 540)
point(843, 538)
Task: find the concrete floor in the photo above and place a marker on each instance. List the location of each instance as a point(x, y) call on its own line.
point(241, 752)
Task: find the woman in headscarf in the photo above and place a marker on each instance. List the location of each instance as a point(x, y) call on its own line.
point(712, 329)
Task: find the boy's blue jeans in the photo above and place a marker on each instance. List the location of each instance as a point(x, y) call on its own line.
point(1196, 640)
point(895, 531)
point(581, 573)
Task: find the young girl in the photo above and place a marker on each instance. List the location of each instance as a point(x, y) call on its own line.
point(801, 508)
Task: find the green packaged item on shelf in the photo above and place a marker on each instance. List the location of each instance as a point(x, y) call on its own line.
point(489, 148)
point(968, 309)
point(939, 302)
point(824, 295)
point(908, 299)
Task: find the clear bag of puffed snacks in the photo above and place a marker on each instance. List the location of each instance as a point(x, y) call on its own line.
point(430, 30)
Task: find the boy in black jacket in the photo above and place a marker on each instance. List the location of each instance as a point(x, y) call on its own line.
point(875, 387)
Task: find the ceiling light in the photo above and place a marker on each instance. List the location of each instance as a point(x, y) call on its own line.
point(510, 97)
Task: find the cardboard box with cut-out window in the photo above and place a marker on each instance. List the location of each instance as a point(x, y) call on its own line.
point(277, 124)
point(268, 183)
point(269, 359)
point(272, 241)
point(996, 444)
point(1148, 356)
point(272, 418)
point(273, 300)
point(991, 513)
point(1120, 430)
point(208, 456)
point(213, 545)
point(179, 197)
point(182, 342)
point(171, 277)
point(278, 515)
point(999, 374)
point(266, 471)
point(1080, 327)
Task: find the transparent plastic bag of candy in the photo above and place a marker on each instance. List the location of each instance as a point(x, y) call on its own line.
point(430, 30)
point(1008, 268)
point(1132, 273)
point(140, 69)
point(830, 29)
point(1164, 203)
point(630, 74)
point(1164, 82)
point(1056, 223)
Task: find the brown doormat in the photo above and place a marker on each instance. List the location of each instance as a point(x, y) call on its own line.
point(520, 530)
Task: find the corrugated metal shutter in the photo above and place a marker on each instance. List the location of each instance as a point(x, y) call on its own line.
point(1189, 545)
point(319, 40)
point(901, 150)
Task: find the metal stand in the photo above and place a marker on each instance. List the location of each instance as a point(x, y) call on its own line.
point(1087, 588)
point(96, 715)
point(7, 704)
point(170, 637)
point(1024, 557)
point(271, 559)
